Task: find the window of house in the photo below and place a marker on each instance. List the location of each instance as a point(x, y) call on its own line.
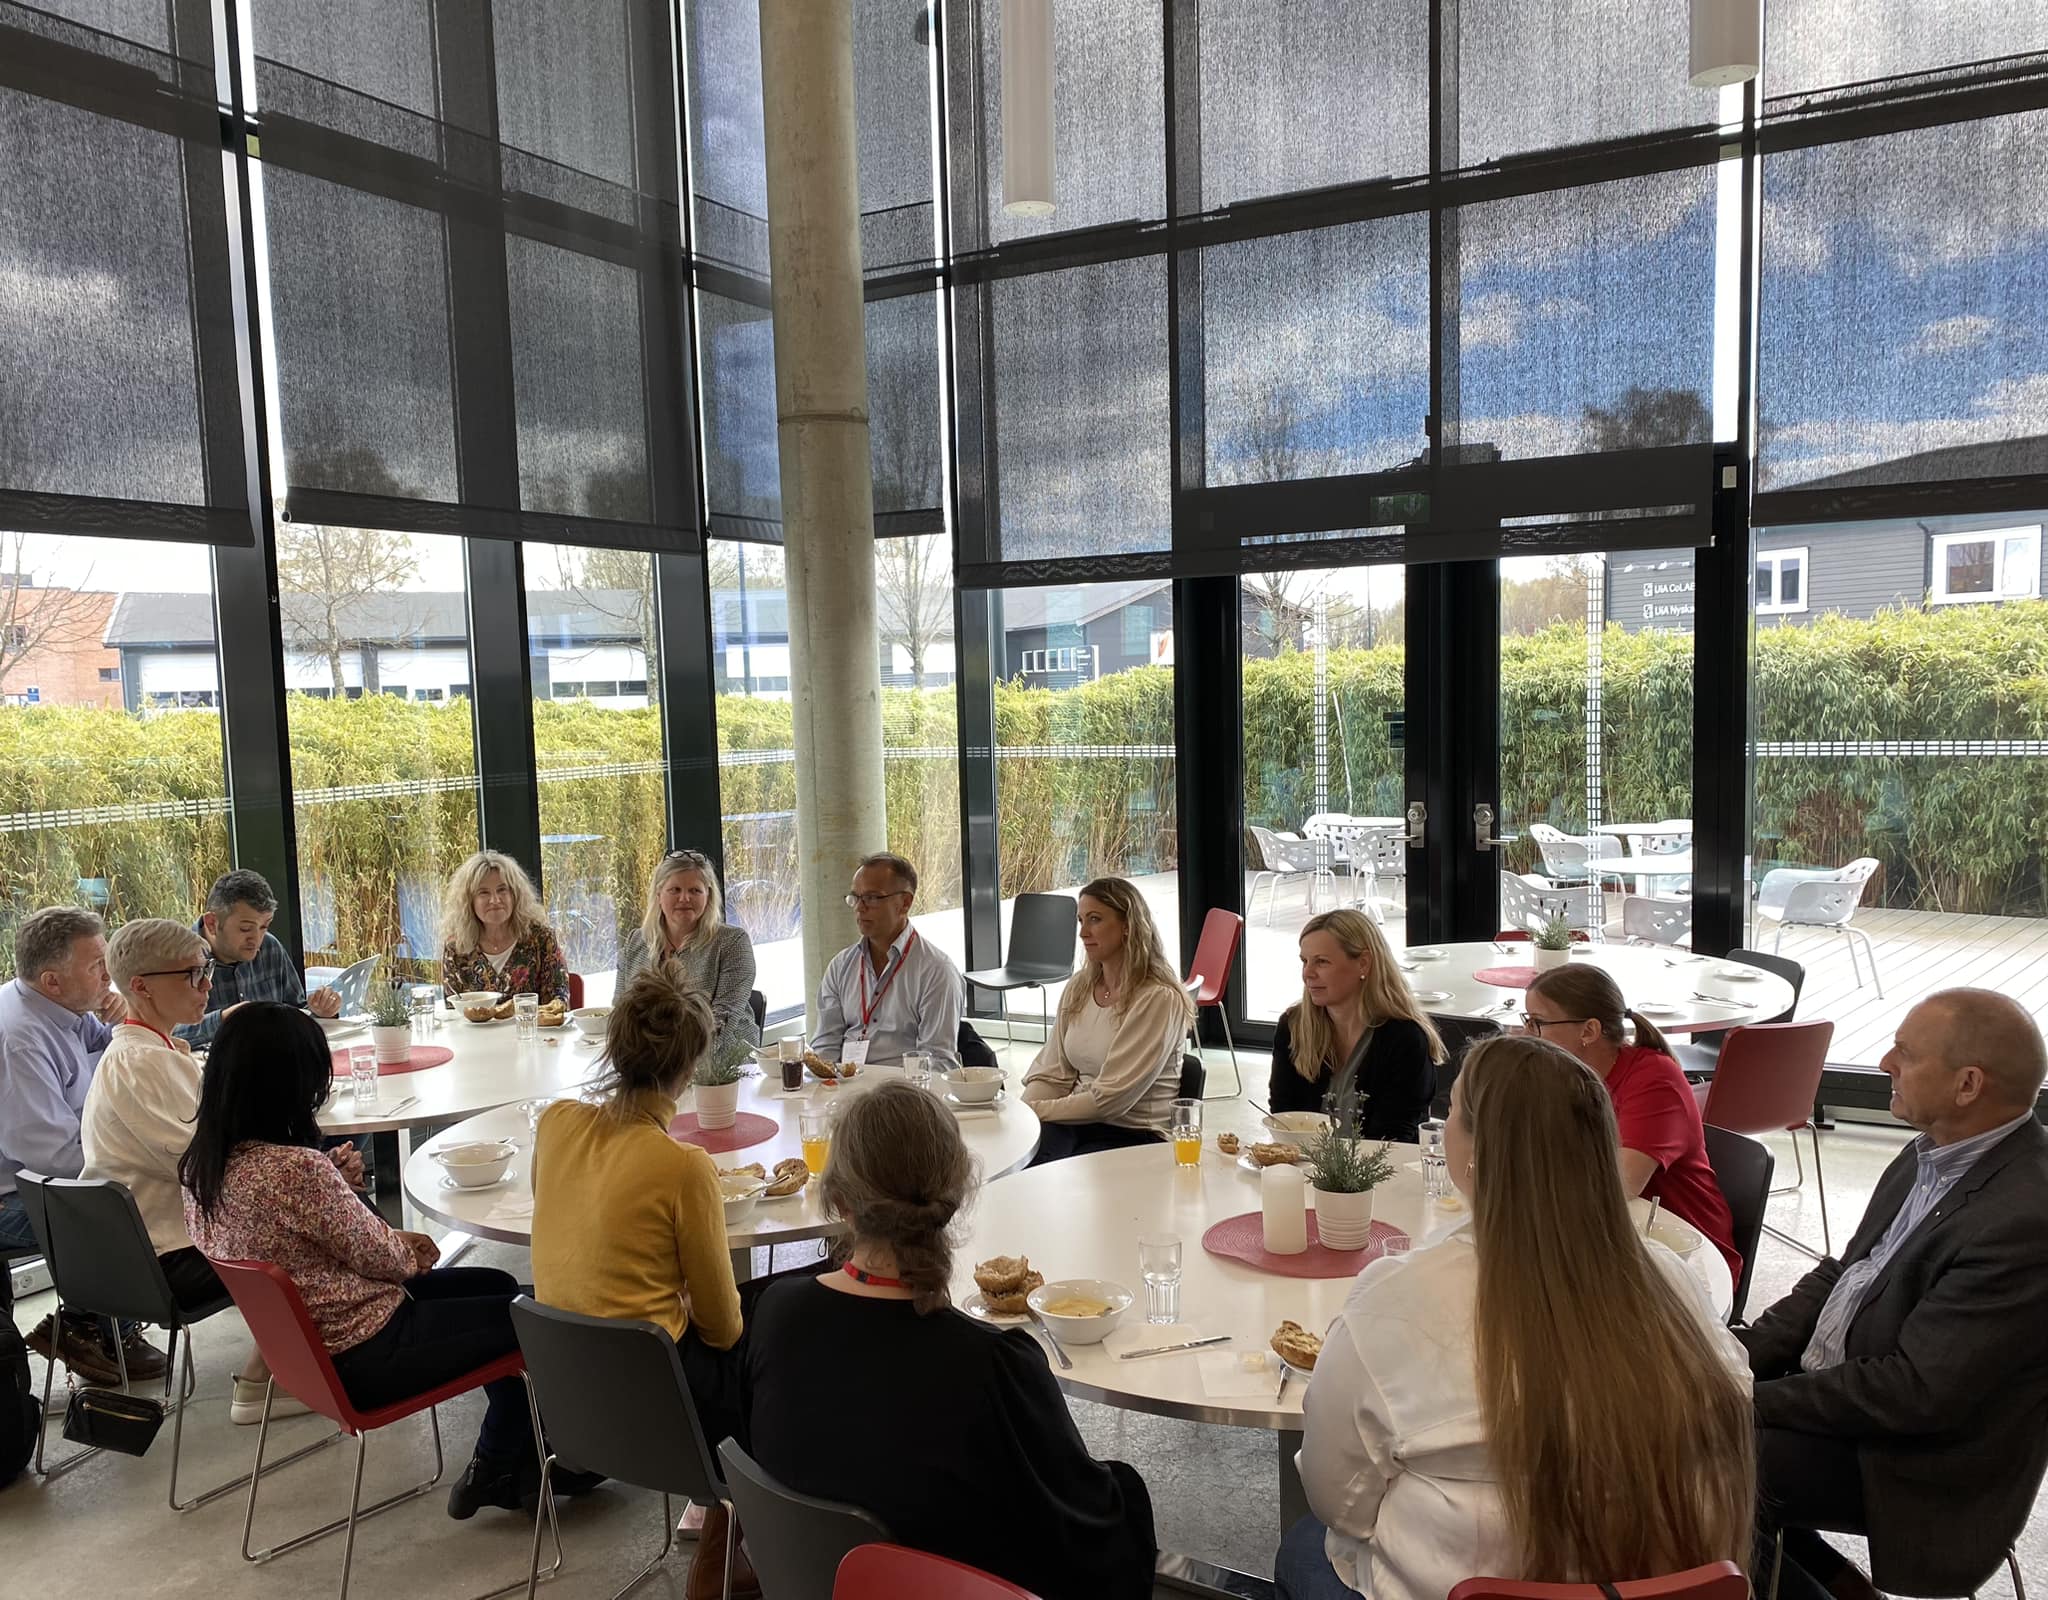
point(1780, 581)
point(110, 674)
point(1989, 564)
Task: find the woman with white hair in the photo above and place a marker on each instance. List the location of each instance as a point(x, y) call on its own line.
point(494, 934)
point(684, 932)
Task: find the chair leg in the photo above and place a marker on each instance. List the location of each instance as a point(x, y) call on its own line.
point(57, 1469)
point(1869, 950)
point(545, 1509)
point(1777, 1564)
point(354, 1516)
point(1780, 939)
point(178, 1439)
point(2012, 1565)
point(1855, 966)
point(732, 1534)
point(1820, 1187)
point(355, 1499)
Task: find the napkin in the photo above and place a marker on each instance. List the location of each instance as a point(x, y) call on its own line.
point(1225, 1376)
point(511, 1211)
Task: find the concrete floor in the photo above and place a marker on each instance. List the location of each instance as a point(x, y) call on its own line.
point(1213, 1488)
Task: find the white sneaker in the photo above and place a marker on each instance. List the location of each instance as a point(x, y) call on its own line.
point(245, 1410)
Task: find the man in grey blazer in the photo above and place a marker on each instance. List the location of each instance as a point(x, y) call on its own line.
point(1902, 1391)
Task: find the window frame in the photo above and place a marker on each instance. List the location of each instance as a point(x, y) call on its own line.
point(1777, 561)
point(1940, 544)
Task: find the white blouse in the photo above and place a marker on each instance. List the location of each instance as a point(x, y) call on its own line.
point(1101, 1067)
point(136, 1124)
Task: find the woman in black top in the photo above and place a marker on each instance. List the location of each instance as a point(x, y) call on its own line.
point(1357, 1038)
point(955, 1436)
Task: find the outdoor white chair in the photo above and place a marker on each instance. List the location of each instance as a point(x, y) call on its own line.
point(1378, 855)
point(1528, 902)
point(1797, 897)
point(1275, 856)
point(1647, 920)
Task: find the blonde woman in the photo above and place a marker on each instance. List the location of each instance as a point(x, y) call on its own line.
point(1107, 1076)
point(1356, 1032)
point(683, 932)
point(494, 934)
point(1541, 1395)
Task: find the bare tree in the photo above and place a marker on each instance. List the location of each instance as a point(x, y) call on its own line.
point(333, 570)
point(914, 583)
point(1646, 417)
point(31, 618)
point(1530, 605)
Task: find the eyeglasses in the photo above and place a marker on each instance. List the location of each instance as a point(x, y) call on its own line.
point(1537, 1024)
point(856, 901)
point(198, 977)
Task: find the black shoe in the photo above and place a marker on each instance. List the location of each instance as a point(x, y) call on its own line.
point(78, 1347)
point(145, 1360)
point(564, 1481)
point(485, 1483)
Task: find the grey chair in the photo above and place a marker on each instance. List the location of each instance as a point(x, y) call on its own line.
point(1194, 1077)
point(1042, 938)
point(1742, 1168)
point(609, 1395)
point(101, 1261)
point(757, 1002)
point(795, 1541)
point(1459, 1035)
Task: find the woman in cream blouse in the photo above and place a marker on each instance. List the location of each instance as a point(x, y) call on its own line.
point(1108, 1075)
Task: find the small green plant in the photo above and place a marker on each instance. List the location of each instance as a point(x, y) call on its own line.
point(727, 1063)
point(1337, 1165)
point(1555, 934)
point(389, 1004)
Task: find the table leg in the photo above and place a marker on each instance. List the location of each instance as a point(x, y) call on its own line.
point(1293, 1500)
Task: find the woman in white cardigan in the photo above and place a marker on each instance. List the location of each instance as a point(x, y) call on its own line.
point(1541, 1395)
point(1108, 1075)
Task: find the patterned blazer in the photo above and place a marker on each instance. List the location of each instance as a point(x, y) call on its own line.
point(535, 966)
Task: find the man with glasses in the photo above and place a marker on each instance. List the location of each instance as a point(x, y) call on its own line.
point(894, 992)
point(248, 961)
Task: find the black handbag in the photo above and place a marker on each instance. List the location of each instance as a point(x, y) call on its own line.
point(109, 1419)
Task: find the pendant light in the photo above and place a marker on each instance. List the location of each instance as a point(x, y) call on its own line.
point(1027, 108)
point(1727, 42)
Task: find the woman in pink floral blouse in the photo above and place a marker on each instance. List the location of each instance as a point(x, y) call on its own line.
point(494, 934)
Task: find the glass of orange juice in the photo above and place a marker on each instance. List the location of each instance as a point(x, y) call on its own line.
point(814, 1127)
point(1186, 1129)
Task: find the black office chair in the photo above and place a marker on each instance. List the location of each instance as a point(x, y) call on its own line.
point(974, 1049)
point(100, 1260)
point(1459, 1035)
point(1742, 1167)
point(795, 1541)
point(609, 1395)
point(757, 1002)
point(1697, 1060)
point(1194, 1077)
point(1042, 939)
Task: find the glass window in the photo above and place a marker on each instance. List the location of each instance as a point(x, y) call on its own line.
point(1780, 581)
point(1085, 742)
point(383, 787)
point(921, 725)
point(1818, 44)
point(592, 638)
point(1995, 564)
point(112, 789)
point(1324, 786)
point(1081, 411)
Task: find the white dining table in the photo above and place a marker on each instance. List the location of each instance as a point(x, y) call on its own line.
point(490, 1067)
point(1001, 1140)
point(1677, 990)
point(1645, 869)
point(1082, 1218)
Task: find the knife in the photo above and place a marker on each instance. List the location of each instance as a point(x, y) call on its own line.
point(1163, 1349)
point(393, 1110)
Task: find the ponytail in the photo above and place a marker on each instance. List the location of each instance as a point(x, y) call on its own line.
point(1647, 1034)
point(898, 1175)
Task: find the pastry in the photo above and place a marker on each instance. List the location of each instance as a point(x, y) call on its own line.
point(829, 1071)
point(1275, 1155)
point(1015, 1302)
point(1004, 1282)
point(753, 1169)
point(788, 1178)
point(1227, 1143)
point(1296, 1346)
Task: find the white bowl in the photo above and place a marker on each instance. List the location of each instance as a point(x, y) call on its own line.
point(975, 1086)
point(1679, 1237)
point(1294, 1126)
point(476, 1166)
point(475, 997)
point(591, 1021)
point(741, 1194)
point(1081, 1330)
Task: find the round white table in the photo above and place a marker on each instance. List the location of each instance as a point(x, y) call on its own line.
point(1678, 991)
point(1001, 1141)
point(490, 1068)
point(1082, 1218)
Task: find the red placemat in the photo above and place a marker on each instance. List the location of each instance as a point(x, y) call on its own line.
point(1507, 977)
point(748, 1129)
point(421, 1055)
point(1243, 1238)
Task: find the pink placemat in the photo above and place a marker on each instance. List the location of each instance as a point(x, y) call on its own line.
point(1243, 1238)
point(1507, 977)
point(421, 1055)
point(748, 1129)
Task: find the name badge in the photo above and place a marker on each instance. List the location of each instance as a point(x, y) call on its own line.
point(854, 1052)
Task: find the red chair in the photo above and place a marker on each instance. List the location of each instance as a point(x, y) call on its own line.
point(575, 991)
point(1766, 1080)
point(1209, 974)
point(269, 1302)
point(895, 1572)
point(1718, 1580)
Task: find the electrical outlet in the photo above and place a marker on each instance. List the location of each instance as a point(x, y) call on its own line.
point(30, 1277)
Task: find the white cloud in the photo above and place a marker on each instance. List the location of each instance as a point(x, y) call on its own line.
point(1527, 433)
point(1491, 320)
point(2011, 408)
point(1953, 333)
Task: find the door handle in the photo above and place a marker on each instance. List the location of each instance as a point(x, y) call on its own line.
point(1418, 814)
point(1482, 828)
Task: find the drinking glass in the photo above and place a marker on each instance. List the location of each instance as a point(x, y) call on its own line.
point(1159, 1261)
point(790, 1053)
point(1395, 1245)
point(422, 1011)
point(1435, 1169)
point(917, 1071)
point(814, 1126)
point(526, 1016)
point(1186, 1125)
point(362, 1074)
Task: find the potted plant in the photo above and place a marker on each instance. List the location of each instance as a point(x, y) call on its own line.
point(718, 1084)
point(390, 1009)
point(1344, 1172)
point(1553, 943)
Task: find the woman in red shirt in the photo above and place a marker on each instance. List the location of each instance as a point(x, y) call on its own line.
point(1663, 1142)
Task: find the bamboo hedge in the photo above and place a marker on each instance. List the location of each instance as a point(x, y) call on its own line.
point(1952, 833)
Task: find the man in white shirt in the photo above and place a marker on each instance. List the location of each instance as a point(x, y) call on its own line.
point(894, 992)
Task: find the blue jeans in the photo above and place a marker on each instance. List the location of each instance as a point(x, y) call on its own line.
point(1302, 1572)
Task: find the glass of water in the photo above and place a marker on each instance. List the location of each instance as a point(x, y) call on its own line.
point(424, 999)
point(362, 1074)
point(917, 1070)
point(526, 1016)
point(1435, 1170)
point(1159, 1261)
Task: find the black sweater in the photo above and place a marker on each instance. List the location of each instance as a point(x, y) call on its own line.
point(1396, 1076)
point(951, 1432)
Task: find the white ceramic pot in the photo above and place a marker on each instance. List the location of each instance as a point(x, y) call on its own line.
point(1541, 959)
point(392, 1044)
point(1344, 1221)
point(717, 1104)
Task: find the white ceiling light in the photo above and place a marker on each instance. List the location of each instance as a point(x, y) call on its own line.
point(1027, 108)
point(1727, 42)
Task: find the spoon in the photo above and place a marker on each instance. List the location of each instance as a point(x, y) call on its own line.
point(1650, 1221)
point(1066, 1363)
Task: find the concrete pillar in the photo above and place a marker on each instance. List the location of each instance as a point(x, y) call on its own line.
point(821, 402)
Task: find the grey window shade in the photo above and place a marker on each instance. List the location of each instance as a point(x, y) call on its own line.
point(1823, 44)
point(1352, 74)
point(1080, 412)
point(728, 164)
point(1903, 312)
point(565, 83)
point(894, 56)
point(1316, 352)
point(742, 469)
point(904, 420)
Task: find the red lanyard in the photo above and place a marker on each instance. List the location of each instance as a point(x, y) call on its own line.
point(872, 1279)
point(868, 1007)
point(132, 1022)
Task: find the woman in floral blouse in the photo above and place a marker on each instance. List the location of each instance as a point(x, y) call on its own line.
point(494, 935)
